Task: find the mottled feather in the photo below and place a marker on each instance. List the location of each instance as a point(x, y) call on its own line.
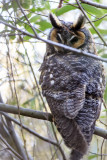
point(73, 85)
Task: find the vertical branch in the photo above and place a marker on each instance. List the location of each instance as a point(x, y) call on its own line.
point(10, 148)
point(60, 3)
point(100, 36)
point(14, 83)
point(102, 149)
point(15, 138)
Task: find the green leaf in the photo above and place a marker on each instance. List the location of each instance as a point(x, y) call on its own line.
point(32, 9)
point(12, 37)
point(31, 101)
point(97, 0)
point(28, 16)
point(92, 156)
point(26, 38)
point(23, 19)
point(105, 95)
point(28, 28)
point(14, 5)
point(40, 9)
point(103, 56)
point(43, 25)
point(103, 116)
point(25, 3)
point(47, 5)
point(35, 18)
point(21, 54)
point(97, 23)
point(6, 6)
point(93, 10)
point(102, 31)
point(105, 10)
point(63, 10)
point(105, 110)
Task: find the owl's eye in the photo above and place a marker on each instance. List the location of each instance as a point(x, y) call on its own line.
point(59, 38)
point(74, 39)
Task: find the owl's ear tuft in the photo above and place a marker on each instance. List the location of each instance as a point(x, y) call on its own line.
point(80, 22)
point(55, 21)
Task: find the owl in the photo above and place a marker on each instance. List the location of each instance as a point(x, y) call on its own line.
point(73, 84)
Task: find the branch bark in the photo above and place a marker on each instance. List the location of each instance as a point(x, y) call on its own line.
point(94, 4)
point(76, 51)
point(10, 148)
point(41, 115)
point(100, 36)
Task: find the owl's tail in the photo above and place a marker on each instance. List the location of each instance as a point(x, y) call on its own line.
point(75, 155)
point(72, 136)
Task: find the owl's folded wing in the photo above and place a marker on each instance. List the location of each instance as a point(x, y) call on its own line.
point(75, 102)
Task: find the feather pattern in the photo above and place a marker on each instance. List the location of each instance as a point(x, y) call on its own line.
point(73, 86)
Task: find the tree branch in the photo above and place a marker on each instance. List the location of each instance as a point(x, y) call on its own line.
point(74, 50)
point(30, 130)
point(10, 148)
point(100, 36)
point(36, 134)
point(26, 112)
point(41, 115)
point(94, 4)
point(16, 139)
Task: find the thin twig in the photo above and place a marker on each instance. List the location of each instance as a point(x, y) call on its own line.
point(18, 2)
point(27, 53)
point(16, 96)
point(103, 123)
point(100, 36)
point(94, 4)
point(76, 51)
point(15, 138)
point(72, 4)
point(102, 149)
point(41, 115)
point(30, 130)
point(98, 154)
point(100, 18)
point(11, 149)
point(60, 3)
point(36, 134)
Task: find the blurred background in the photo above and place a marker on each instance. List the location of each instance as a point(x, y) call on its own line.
point(20, 60)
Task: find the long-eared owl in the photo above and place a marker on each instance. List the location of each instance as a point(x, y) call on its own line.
point(73, 84)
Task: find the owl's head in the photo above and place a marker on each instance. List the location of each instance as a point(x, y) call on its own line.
point(73, 34)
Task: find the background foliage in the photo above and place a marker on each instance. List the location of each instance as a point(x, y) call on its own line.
point(20, 59)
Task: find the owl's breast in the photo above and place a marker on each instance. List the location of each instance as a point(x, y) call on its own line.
point(66, 72)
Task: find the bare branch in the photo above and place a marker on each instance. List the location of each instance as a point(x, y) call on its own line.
point(25, 112)
point(102, 149)
point(13, 151)
point(16, 139)
point(16, 96)
point(76, 51)
point(100, 36)
point(60, 3)
point(18, 2)
point(94, 4)
point(101, 132)
point(30, 130)
point(36, 134)
point(41, 115)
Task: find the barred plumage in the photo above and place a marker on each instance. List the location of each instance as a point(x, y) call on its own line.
point(73, 84)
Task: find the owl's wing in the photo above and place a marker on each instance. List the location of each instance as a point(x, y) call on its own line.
point(75, 102)
point(68, 103)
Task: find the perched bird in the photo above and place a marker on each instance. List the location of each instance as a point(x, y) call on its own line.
point(73, 84)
